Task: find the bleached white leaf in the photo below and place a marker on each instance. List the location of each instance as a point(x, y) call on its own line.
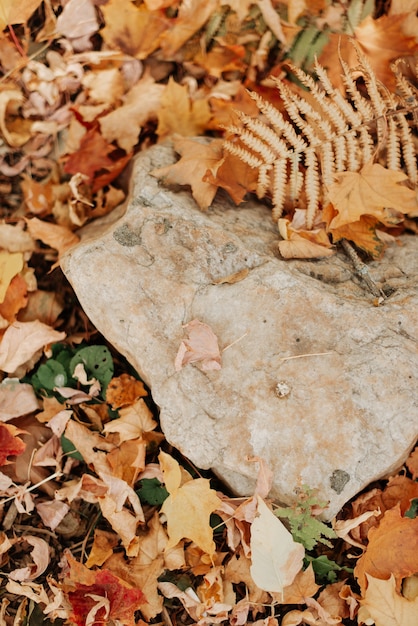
point(275, 557)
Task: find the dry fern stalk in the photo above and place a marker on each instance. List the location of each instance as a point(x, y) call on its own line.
point(325, 134)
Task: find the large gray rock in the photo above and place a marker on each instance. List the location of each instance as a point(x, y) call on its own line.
point(321, 384)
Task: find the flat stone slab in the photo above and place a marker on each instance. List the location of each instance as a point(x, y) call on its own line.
point(315, 379)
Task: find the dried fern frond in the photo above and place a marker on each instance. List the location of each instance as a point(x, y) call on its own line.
point(326, 133)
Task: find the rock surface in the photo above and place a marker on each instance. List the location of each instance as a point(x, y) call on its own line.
point(315, 379)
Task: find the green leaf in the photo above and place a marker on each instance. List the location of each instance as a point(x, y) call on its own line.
point(69, 449)
point(152, 492)
point(325, 569)
point(52, 374)
point(97, 362)
point(305, 527)
point(412, 512)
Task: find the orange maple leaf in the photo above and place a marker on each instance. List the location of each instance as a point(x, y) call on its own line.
point(392, 549)
point(196, 159)
point(371, 191)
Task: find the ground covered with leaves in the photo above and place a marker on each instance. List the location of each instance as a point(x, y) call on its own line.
point(102, 521)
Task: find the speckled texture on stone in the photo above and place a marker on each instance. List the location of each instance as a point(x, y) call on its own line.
point(320, 383)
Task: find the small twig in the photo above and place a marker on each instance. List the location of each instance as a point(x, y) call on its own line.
point(362, 270)
point(235, 341)
point(300, 356)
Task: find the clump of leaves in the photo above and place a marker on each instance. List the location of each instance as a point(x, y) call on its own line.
point(58, 371)
point(305, 527)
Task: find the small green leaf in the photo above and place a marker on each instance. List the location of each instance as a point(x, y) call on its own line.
point(152, 491)
point(412, 512)
point(325, 569)
point(305, 527)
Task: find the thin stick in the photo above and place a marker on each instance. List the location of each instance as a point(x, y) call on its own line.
point(362, 270)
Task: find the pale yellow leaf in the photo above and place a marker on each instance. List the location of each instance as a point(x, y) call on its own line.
point(275, 557)
point(385, 606)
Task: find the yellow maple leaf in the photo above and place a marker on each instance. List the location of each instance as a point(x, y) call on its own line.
point(385, 606)
point(16, 11)
point(371, 191)
point(181, 115)
point(188, 507)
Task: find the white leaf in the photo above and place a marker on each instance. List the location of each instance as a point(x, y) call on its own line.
point(275, 557)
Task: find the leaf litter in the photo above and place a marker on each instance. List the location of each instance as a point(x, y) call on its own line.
point(102, 521)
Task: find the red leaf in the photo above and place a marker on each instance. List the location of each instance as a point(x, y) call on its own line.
point(10, 444)
point(122, 600)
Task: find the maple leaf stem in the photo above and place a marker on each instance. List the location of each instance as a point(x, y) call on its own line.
point(362, 270)
point(41, 482)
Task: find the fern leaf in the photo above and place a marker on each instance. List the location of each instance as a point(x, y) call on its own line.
point(301, 149)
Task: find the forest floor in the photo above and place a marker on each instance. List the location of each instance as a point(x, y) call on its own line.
point(103, 522)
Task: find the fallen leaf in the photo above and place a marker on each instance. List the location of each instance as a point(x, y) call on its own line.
point(58, 237)
point(201, 346)
point(15, 300)
point(16, 11)
point(133, 421)
point(191, 17)
point(40, 558)
point(140, 105)
point(124, 390)
point(385, 606)
point(104, 543)
point(188, 507)
point(122, 600)
point(196, 159)
point(275, 557)
point(134, 30)
point(23, 342)
point(77, 20)
point(16, 399)
point(10, 444)
point(392, 549)
point(179, 114)
point(11, 264)
point(370, 192)
point(302, 587)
